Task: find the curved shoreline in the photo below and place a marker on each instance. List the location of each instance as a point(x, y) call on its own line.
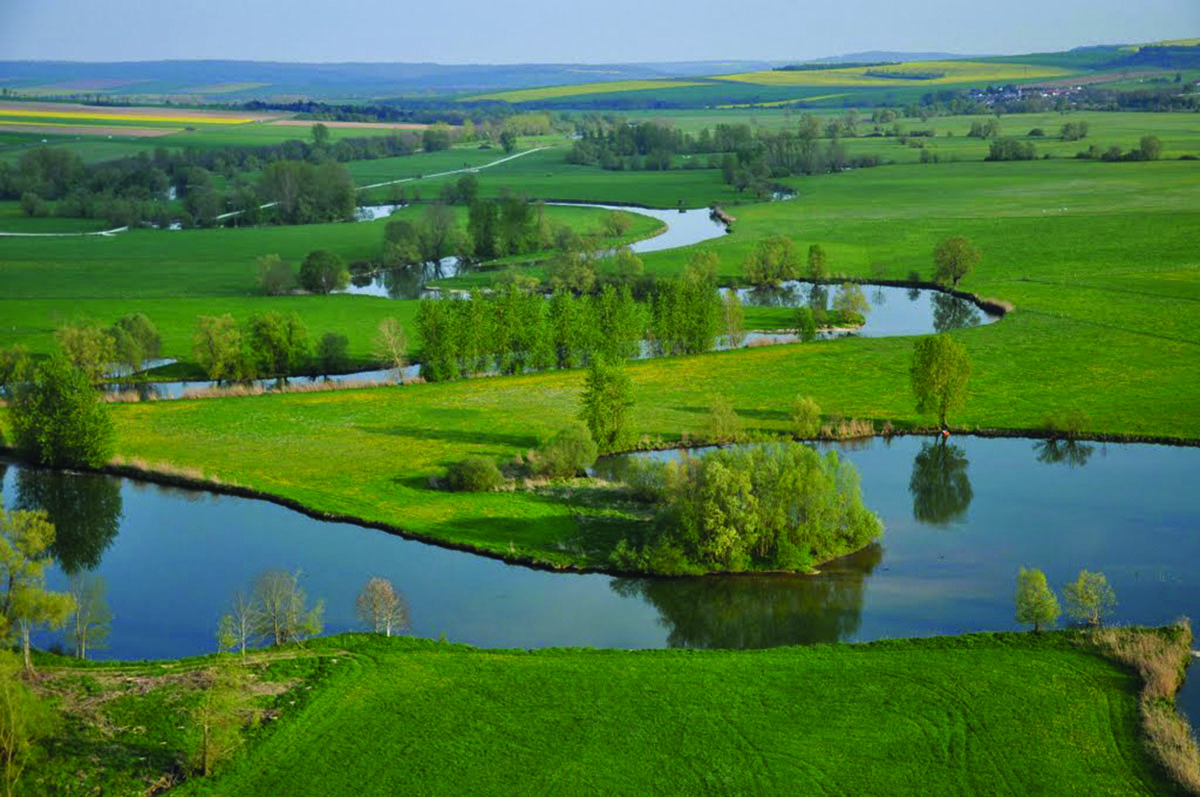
point(152, 476)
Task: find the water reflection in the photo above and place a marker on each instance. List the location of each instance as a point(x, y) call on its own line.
point(950, 312)
point(940, 488)
point(85, 509)
point(759, 611)
point(1071, 453)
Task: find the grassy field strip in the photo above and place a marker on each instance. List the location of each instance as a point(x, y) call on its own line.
point(101, 116)
point(465, 170)
point(995, 714)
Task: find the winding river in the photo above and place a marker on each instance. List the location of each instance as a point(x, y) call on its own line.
point(960, 518)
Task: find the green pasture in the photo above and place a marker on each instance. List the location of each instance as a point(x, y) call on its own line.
point(175, 276)
point(995, 714)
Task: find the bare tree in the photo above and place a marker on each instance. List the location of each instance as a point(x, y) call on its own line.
point(391, 344)
point(280, 613)
point(237, 625)
point(92, 621)
point(382, 608)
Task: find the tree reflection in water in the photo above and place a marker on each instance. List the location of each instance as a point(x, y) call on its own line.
point(760, 611)
point(1071, 453)
point(940, 488)
point(85, 509)
point(951, 312)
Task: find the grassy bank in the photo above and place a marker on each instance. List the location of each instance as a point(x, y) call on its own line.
point(980, 714)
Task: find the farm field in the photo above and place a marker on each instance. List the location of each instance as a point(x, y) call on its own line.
point(1005, 714)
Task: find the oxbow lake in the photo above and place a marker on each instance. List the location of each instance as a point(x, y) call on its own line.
point(961, 518)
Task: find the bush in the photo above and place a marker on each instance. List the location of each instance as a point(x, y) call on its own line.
point(806, 417)
point(474, 475)
point(567, 454)
point(275, 276)
point(724, 425)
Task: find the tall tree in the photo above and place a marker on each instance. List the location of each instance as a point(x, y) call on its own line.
point(1036, 604)
point(1089, 598)
point(58, 418)
point(24, 721)
point(953, 259)
point(282, 614)
point(136, 341)
point(89, 347)
point(939, 373)
point(382, 608)
point(91, 622)
point(323, 272)
point(218, 347)
point(237, 626)
point(606, 404)
point(25, 603)
point(391, 344)
point(278, 343)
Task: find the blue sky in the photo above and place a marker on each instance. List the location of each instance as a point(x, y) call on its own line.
point(524, 31)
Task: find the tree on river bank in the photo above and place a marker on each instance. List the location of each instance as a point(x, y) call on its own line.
point(57, 417)
point(605, 404)
point(939, 373)
point(1036, 603)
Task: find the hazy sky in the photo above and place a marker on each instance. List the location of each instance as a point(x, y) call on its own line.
point(494, 31)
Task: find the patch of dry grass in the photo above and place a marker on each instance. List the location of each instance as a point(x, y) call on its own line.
point(1161, 660)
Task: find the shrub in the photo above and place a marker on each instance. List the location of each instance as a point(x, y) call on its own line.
point(806, 417)
point(567, 454)
point(806, 324)
point(275, 276)
point(474, 475)
point(724, 425)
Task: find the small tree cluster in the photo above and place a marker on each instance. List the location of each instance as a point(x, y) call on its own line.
point(772, 262)
point(777, 506)
point(1089, 599)
point(275, 612)
point(267, 345)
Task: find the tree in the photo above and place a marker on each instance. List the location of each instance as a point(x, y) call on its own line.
point(806, 417)
point(25, 603)
point(275, 276)
point(734, 320)
point(771, 262)
point(1089, 598)
point(606, 403)
point(320, 135)
point(218, 718)
point(24, 721)
point(90, 348)
point(939, 373)
point(57, 417)
point(137, 341)
point(805, 324)
point(278, 343)
point(616, 224)
point(236, 627)
point(508, 140)
point(382, 608)
point(92, 621)
point(331, 356)
point(218, 347)
point(1036, 604)
point(391, 344)
point(281, 614)
point(323, 272)
point(818, 263)
point(1149, 148)
point(953, 259)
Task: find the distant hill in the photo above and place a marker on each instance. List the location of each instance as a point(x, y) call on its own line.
point(868, 56)
point(240, 80)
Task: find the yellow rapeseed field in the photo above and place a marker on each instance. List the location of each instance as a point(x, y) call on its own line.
point(948, 72)
point(109, 117)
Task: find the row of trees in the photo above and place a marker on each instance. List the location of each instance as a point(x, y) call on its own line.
point(514, 330)
point(271, 345)
point(1089, 599)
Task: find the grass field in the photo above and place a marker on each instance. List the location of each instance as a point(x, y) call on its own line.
point(949, 72)
point(994, 714)
point(173, 277)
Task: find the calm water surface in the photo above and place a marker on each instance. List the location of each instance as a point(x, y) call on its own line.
point(960, 520)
